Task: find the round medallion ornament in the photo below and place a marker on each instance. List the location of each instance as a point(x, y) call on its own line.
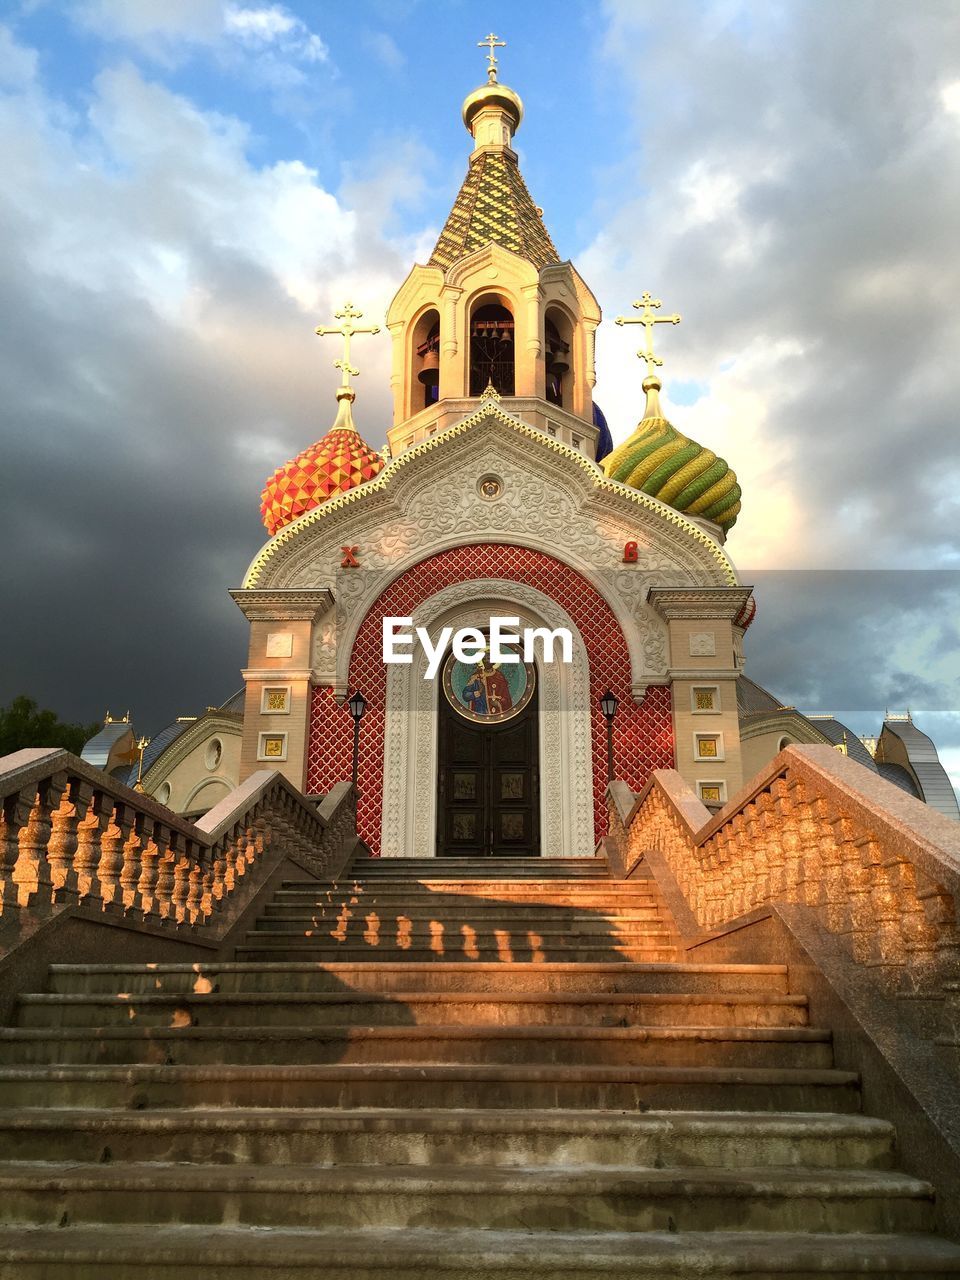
point(490, 487)
point(488, 692)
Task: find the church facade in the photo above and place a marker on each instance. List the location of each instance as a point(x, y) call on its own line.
point(499, 496)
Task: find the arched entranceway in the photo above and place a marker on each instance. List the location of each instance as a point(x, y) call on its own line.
point(488, 751)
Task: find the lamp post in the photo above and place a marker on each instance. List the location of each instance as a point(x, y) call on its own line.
point(142, 744)
point(358, 705)
point(608, 705)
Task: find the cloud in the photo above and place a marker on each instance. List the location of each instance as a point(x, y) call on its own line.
point(798, 204)
point(274, 26)
point(162, 364)
point(384, 48)
point(275, 42)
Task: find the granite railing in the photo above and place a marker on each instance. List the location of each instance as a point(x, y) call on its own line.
point(873, 866)
point(71, 836)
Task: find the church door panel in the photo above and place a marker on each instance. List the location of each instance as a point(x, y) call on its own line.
point(488, 802)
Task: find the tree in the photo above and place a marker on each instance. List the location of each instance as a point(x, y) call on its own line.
point(23, 724)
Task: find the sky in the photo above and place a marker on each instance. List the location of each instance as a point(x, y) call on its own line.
point(191, 186)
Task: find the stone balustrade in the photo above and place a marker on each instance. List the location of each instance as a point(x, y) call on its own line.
point(71, 836)
point(873, 866)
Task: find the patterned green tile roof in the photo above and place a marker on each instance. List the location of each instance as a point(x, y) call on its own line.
point(494, 205)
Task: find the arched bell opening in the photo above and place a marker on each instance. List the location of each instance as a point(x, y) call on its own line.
point(558, 343)
point(492, 349)
point(426, 360)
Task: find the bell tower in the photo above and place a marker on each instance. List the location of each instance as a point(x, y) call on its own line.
point(494, 305)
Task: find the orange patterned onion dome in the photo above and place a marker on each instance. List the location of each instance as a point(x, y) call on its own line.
point(340, 461)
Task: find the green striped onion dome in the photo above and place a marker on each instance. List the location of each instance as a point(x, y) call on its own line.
point(660, 461)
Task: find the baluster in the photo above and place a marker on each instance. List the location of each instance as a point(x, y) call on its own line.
point(32, 871)
point(165, 882)
point(132, 868)
point(208, 904)
point(192, 912)
point(15, 816)
point(888, 906)
point(111, 856)
point(181, 889)
point(86, 860)
point(234, 845)
point(64, 838)
point(920, 936)
point(859, 887)
point(153, 842)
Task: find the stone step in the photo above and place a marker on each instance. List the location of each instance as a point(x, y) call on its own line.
point(486, 915)
point(421, 1008)
point(406, 976)
point(369, 897)
point(235, 1135)
point(373, 930)
point(360, 919)
point(481, 868)
point(256, 1044)
point(594, 1087)
point(466, 885)
point(215, 1252)
point(264, 947)
point(594, 1197)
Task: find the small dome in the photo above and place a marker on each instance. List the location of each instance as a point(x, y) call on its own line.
point(604, 438)
point(658, 460)
point(493, 94)
point(339, 462)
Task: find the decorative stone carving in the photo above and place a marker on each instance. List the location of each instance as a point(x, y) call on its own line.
point(703, 644)
point(425, 501)
point(279, 644)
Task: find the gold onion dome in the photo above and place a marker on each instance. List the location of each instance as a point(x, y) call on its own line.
point(657, 459)
point(340, 461)
point(493, 94)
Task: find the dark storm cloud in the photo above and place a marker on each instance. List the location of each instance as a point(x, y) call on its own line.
point(157, 364)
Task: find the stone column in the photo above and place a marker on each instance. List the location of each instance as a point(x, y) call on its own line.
point(703, 674)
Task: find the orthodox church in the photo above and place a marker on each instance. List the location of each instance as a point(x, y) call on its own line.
point(499, 494)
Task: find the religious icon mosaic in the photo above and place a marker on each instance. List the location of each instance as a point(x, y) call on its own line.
point(488, 692)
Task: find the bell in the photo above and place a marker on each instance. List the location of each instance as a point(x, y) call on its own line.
point(559, 362)
point(430, 368)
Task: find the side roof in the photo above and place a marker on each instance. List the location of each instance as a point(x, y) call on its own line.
point(924, 762)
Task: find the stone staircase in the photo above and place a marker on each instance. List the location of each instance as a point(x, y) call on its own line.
point(445, 1069)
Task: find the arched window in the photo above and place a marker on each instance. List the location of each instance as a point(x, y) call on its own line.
point(492, 349)
point(556, 333)
point(426, 359)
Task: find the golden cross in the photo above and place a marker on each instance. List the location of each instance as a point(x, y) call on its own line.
point(347, 329)
point(492, 43)
point(646, 306)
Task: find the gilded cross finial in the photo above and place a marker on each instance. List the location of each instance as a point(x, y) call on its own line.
point(647, 305)
point(346, 329)
point(492, 43)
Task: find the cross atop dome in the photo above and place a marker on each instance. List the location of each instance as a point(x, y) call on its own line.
point(492, 42)
point(347, 329)
point(647, 305)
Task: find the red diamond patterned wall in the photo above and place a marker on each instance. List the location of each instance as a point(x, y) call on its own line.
point(643, 732)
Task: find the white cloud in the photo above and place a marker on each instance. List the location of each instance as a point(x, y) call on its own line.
point(798, 206)
point(166, 29)
point(154, 23)
point(950, 97)
point(274, 25)
point(18, 65)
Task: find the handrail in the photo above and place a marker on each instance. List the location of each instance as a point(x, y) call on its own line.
point(70, 835)
point(875, 866)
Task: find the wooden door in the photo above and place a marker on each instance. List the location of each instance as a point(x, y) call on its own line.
point(488, 802)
